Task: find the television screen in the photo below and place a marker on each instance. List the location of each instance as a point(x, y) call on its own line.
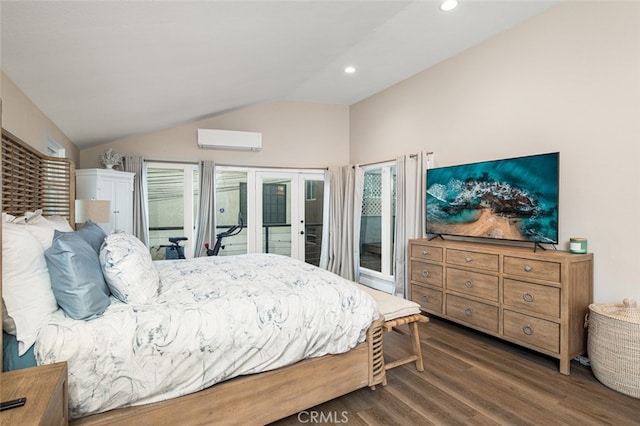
point(511, 199)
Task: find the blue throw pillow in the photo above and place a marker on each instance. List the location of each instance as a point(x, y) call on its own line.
point(76, 276)
point(93, 234)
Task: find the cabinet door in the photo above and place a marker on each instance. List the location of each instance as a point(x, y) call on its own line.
point(120, 193)
point(122, 205)
point(104, 190)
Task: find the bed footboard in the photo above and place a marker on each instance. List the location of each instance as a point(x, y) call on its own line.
point(266, 397)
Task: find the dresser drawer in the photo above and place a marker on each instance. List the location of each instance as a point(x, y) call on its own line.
point(530, 268)
point(537, 298)
point(473, 313)
point(473, 259)
point(474, 283)
point(426, 273)
point(533, 331)
point(429, 299)
point(426, 252)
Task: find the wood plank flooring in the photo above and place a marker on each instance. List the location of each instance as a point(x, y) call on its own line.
point(474, 379)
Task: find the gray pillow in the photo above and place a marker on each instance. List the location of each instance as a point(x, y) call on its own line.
point(93, 234)
point(76, 276)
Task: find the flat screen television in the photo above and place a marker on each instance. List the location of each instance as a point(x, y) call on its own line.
point(511, 199)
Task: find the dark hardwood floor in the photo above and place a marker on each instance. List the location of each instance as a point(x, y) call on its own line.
point(474, 379)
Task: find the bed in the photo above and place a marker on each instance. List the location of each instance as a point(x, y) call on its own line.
point(303, 374)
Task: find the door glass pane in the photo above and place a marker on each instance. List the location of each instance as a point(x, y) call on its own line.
point(231, 200)
point(392, 216)
point(196, 196)
point(166, 208)
point(371, 222)
point(276, 216)
point(313, 214)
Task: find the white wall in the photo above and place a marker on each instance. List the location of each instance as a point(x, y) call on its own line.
point(567, 80)
point(294, 134)
point(23, 119)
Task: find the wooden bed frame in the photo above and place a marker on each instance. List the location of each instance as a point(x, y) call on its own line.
point(31, 180)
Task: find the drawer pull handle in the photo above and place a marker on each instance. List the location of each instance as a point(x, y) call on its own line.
point(425, 298)
point(528, 297)
point(425, 273)
point(528, 268)
point(468, 312)
point(528, 330)
point(424, 252)
point(468, 259)
point(468, 283)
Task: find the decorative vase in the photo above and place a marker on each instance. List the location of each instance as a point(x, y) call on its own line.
point(109, 166)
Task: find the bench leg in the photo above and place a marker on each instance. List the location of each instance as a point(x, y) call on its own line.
point(416, 357)
point(415, 342)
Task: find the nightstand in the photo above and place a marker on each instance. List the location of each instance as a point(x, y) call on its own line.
point(45, 388)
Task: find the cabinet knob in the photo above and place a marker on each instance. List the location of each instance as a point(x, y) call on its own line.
point(468, 283)
point(424, 252)
point(467, 259)
point(528, 297)
point(425, 273)
point(425, 298)
point(468, 312)
point(528, 330)
point(528, 268)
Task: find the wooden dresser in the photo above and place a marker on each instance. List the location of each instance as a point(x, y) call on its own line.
point(535, 299)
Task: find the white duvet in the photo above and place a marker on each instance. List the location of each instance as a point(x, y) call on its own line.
point(215, 318)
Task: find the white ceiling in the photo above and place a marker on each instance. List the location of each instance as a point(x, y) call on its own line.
point(102, 70)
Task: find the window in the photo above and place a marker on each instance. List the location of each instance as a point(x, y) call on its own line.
point(310, 194)
point(274, 203)
point(173, 198)
point(377, 225)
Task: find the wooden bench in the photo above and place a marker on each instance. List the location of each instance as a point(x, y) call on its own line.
point(398, 311)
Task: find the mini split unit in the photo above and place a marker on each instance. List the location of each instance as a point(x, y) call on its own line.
point(229, 139)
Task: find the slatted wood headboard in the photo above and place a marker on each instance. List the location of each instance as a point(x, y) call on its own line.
point(32, 180)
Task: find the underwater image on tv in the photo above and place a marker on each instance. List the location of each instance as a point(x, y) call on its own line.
point(511, 199)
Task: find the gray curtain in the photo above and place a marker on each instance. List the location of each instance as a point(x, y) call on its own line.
point(340, 246)
point(136, 165)
point(331, 251)
point(410, 213)
point(206, 217)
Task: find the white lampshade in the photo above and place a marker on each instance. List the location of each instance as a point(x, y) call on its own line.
point(98, 211)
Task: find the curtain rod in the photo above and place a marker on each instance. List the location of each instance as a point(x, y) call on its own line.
point(271, 167)
point(148, 160)
point(197, 163)
point(388, 161)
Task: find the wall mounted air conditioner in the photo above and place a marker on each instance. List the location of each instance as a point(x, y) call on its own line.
point(229, 139)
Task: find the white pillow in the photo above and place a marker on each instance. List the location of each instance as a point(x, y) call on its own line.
point(26, 287)
point(128, 269)
point(6, 217)
point(43, 228)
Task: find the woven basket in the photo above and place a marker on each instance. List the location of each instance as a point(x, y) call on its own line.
point(614, 345)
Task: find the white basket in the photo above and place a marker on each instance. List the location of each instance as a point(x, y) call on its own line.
point(614, 346)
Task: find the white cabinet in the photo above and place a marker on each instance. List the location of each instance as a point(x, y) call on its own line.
point(112, 185)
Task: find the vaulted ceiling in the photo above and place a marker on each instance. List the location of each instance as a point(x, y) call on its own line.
point(101, 70)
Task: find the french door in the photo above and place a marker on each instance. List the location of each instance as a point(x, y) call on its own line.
point(282, 211)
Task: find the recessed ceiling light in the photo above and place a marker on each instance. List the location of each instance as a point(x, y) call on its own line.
point(350, 70)
point(448, 5)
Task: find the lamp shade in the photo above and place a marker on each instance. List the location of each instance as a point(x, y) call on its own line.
point(98, 211)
